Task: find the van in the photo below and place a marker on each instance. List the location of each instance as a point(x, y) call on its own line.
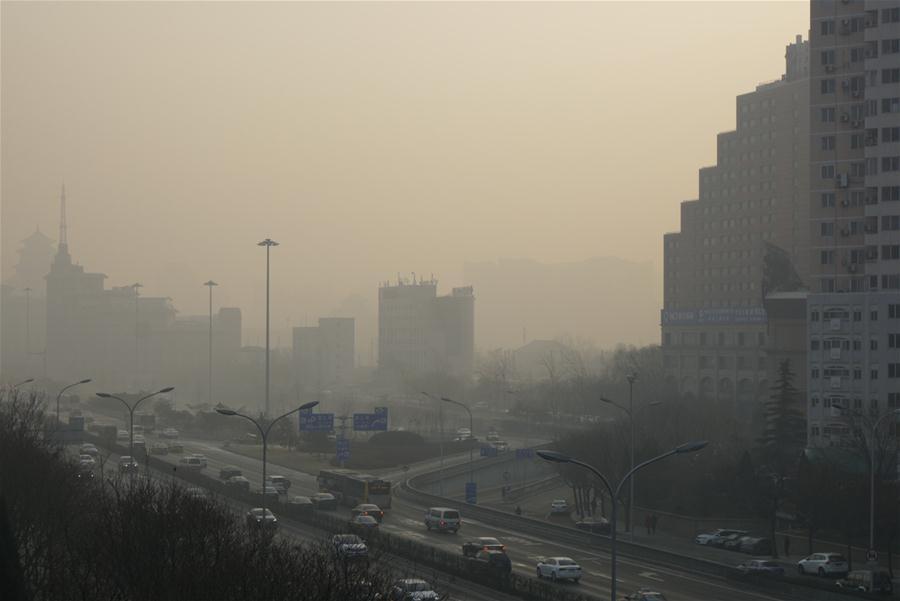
point(443, 518)
point(281, 483)
point(868, 581)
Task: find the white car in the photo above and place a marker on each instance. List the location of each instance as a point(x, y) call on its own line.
point(122, 435)
point(558, 568)
point(192, 463)
point(87, 461)
point(413, 589)
point(716, 536)
point(823, 564)
point(559, 506)
point(169, 433)
point(349, 546)
point(201, 458)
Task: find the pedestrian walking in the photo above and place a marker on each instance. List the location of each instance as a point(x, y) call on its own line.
point(787, 545)
point(653, 520)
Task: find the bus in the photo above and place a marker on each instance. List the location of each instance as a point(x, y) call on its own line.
point(352, 488)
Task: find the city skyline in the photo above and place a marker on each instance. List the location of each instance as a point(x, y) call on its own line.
point(544, 122)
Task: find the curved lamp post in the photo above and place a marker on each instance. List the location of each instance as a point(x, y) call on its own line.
point(268, 243)
point(441, 420)
point(58, 396)
point(555, 457)
point(471, 435)
point(131, 409)
point(264, 433)
point(630, 412)
point(28, 381)
point(872, 477)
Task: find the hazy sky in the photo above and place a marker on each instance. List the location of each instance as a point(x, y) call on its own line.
point(367, 138)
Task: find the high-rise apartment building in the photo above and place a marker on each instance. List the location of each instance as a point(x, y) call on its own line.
point(420, 332)
point(854, 310)
point(745, 236)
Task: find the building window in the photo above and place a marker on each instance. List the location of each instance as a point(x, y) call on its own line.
point(826, 115)
point(888, 76)
point(893, 311)
point(893, 370)
point(827, 171)
point(888, 15)
point(814, 316)
point(894, 400)
point(814, 373)
point(873, 374)
point(889, 164)
point(828, 199)
point(890, 193)
point(827, 228)
point(857, 316)
point(893, 340)
point(827, 27)
point(857, 373)
point(857, 345)
point(873, 344)
point(814, 344)
point(890, 134)
point(826, 86)
point(814, 401)
point(890, 252)
point(827, 142)
point(873, 315)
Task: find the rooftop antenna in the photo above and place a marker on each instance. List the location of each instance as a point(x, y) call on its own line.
point(63, 239)
point(414, 278)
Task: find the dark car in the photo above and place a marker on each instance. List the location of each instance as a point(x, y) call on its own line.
point(238, 482)
point(490, 562)
point(646, 594)
point(229, 471)
point(368, 509)
point(472, 547)
point(301, 504)
point(261, 519)
point(756, 546)
point(594, 526)
point(761, 567)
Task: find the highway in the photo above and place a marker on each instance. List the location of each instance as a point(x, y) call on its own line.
point(457, 589)
point(405, 519)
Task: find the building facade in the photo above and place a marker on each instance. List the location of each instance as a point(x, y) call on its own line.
point(745, 236)
point(853, 313)
point(324, 356)
point(420, 332)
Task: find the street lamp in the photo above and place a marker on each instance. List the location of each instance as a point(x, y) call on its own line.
point(264, 433)
point(441, 419)
point(131, 410)
point(555, 457)
point(210, 285)
point(137, 290)
point(471, 435)
point(268, 243)
point(872, 477)
point(630, 413)
point(58, 396)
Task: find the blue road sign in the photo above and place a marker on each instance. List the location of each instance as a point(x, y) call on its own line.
point(342, 449)
point(371, 422)
point(489, 452)
point(524, 453)
point(316, 422)
point(471, 493)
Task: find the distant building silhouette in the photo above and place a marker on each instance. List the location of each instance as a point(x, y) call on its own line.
point(324, 356)
point(420, 332)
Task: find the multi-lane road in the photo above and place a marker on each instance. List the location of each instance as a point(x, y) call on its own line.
point(405, 519)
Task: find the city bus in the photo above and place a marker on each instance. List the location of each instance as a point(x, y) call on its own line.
point(352, 488)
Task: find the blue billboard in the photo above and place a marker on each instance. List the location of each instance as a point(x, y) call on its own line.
point(342, 449)
point(371, 422)
point(316, 422)
point(471, 493)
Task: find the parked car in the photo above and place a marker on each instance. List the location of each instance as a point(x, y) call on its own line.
point(490, 561)
point(201, 458)
point(159, 448)
point(413, 589)
point(596, 525)
point(238, 482)
point(761, 567)
point(368, 509)
point(128, 464)
point(645, 594)
point(89, 449)
point(558, 568)
point(349, 546)
point(823, 564)
point(229, 471)
point(324, 501)
point(868, 581)
point(559, 506)
point(304, 504)
point(482, 543)
point(261, 519)
point(719, 534)
point(443, 519)
point(363, 524)
point(733, 543)
point(191, 463)
point(755, 546)
point(169, 433)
